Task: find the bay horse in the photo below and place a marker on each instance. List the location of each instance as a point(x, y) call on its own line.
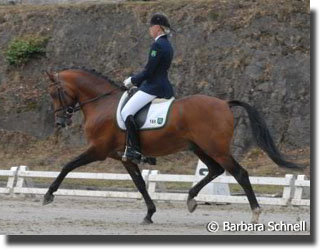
point(199, 123)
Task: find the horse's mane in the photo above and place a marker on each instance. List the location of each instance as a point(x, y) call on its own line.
point(94, 72)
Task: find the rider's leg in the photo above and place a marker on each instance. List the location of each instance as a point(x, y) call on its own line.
point(133, 140)
point(136, 102)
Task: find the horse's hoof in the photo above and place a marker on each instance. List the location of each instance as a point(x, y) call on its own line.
point(255, 215)
point(146, 221)
point(47, 199)
point(192, 205)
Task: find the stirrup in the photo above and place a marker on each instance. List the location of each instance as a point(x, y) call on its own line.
point(149, 160)
point(131, 154)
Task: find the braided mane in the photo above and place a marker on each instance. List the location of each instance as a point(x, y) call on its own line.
point(94, 72)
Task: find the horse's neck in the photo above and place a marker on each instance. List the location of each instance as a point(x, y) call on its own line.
point(88, 91)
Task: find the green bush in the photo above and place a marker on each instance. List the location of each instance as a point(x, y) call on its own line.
point(21, 50)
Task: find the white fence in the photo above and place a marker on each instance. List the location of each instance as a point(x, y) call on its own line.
point(292, 187)
point(300, 183)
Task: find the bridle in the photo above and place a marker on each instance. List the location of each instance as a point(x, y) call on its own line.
point(67, 109)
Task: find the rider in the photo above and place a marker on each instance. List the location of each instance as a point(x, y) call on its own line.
point(152, 82)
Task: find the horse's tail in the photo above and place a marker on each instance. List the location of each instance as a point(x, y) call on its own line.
point(262, 135)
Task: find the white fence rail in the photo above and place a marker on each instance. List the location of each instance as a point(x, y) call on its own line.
point(23, 174)
point(287, 182)
point(292, 187)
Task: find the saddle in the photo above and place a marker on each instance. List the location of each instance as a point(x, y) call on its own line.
point(152, 116)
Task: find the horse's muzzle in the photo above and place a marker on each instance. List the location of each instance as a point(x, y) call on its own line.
point(60, 122)
point(63, 122)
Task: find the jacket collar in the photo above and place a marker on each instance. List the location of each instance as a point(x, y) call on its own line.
point(162, 35)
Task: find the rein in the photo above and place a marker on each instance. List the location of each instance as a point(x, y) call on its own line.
point(77, 108)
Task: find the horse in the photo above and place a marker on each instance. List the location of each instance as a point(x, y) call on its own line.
point(200, 123)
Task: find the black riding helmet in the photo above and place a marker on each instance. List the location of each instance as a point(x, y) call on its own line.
point(160, 19)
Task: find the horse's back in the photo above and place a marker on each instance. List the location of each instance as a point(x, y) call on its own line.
point(199, 115)
point(204, 104)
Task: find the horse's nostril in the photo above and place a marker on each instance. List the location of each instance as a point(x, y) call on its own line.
point(58, 124)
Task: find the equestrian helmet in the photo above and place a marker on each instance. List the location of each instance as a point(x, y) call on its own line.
point(160, 19)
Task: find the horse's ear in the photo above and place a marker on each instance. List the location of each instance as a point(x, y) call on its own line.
point(50, 75)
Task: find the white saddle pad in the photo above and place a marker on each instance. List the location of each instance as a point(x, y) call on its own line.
point(157, 114)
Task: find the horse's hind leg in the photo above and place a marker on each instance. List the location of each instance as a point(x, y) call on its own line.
point(136, 176)
point(242, 177)
point(214, 170)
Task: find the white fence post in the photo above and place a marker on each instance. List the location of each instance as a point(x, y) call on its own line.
point(145, 175)
point(299, 190)
point(152, 184)
point(12, 179)
point(212, 188)
point(11, 174)
point(288, 190)
point(300, 183)
point(21, 180)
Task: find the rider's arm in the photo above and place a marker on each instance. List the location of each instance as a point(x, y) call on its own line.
point(153, 61)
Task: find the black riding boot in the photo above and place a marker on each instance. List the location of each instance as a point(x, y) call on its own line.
point(132, 151)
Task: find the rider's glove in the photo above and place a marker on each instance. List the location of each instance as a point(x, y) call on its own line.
point(127, 83)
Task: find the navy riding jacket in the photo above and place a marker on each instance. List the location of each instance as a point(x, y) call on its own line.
point(154, 78)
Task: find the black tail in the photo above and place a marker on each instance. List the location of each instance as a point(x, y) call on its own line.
point(262, 135)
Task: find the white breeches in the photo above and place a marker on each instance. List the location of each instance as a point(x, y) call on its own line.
point(136, 102)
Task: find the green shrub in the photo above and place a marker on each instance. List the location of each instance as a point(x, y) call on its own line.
point(21, 50)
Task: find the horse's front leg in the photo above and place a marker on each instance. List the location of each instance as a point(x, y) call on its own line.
point(83, 159)
point(136, 176)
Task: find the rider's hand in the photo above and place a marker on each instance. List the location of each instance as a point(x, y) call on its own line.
point(127, 83)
